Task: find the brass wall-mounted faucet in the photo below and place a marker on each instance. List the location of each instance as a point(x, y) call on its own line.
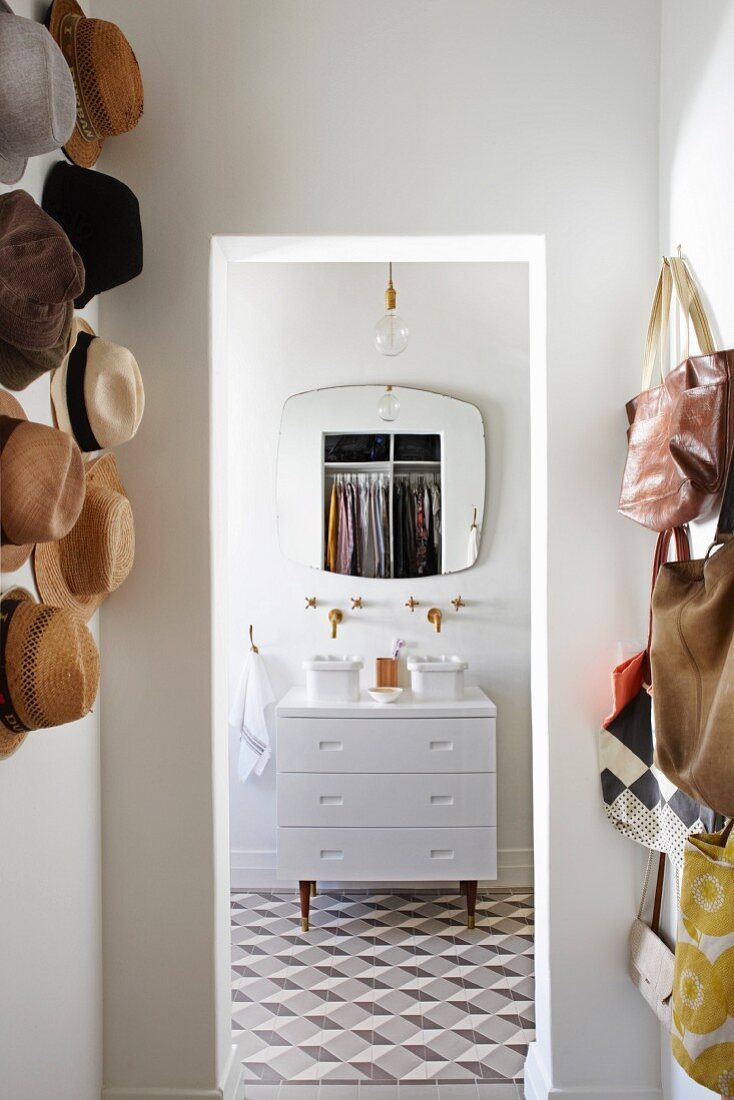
point(434, 616)
point(335, 617)
point(357, 604)
point(412, 604)
point(458, 602)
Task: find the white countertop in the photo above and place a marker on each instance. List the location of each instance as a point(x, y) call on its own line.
point(475, 704)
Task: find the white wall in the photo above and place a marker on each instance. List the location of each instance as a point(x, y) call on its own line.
point(696, 169)
point(299, 326)
point(476, 116)
point(50, 896)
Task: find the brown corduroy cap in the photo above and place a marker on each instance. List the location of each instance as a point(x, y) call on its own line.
point(41, 484)
point(49, 668)
point(40, 274)
point(80, 570)
point(109, 88)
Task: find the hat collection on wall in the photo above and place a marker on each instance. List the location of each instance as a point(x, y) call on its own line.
point(70, 85)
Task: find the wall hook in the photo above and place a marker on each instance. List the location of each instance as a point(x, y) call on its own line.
point(412, 604)
point(253, 647)
point(310, 602)
point(458, 602)
point(357, 604)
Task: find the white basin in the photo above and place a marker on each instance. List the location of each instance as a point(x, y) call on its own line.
point(437, 677)
point(332, 679)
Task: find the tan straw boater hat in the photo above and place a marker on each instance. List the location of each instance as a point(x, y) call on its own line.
point(41, 484)
point(97, 392)
point(49, 667)
point(80, 570)
point(109, 88)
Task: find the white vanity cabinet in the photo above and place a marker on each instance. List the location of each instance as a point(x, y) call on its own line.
point(387, 793)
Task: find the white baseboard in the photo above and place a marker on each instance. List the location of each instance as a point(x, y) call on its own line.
point(251, 870)
point(539, 1087)
point(228, 1090)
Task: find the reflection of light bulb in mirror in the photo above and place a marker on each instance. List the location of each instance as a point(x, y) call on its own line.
point(391, 331)
point(388, 406)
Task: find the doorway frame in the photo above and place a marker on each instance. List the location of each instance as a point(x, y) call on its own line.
point(528, 249)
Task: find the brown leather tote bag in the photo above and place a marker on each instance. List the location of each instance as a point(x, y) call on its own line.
point(692, 660)
point(681, 432)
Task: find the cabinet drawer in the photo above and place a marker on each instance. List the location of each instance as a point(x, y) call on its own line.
point(386, 745)
point(385, 855)
point(425, 800)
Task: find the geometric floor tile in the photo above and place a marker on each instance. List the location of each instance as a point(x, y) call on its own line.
point(384, 990)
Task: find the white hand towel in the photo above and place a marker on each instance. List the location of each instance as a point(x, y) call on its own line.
point(252, 716)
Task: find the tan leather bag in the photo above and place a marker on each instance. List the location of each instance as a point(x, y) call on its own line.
point(651, 962)
point(681, 432)
point(692, 660)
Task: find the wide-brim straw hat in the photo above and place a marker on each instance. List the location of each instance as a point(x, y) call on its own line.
point(97, 392)
point(41, 483)
point(49, 668)
point(80, 570)
point(109, 88)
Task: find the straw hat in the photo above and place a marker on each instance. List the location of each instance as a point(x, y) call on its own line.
point(41, 483)
point(80, 570)
point(49, 668)
point(109, 88)
point(97, 392)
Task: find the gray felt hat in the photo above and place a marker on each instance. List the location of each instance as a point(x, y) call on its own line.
point(38, 98)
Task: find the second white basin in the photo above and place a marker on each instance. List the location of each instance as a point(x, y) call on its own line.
point(437, 677)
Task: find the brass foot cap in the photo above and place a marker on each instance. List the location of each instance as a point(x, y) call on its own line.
point(304, 924)
point(470, 922)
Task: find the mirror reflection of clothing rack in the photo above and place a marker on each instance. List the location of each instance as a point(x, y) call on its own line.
point(382, 504)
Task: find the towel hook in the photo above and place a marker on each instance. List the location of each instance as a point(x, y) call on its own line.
point(253, 647)
point(474, 520)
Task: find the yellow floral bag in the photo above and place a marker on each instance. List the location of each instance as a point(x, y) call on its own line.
point(703, 982)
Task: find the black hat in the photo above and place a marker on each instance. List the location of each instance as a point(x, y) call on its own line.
point(101, 217)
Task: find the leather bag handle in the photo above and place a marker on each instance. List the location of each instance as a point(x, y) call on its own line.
point(662, 547)
point(658, 900)
point(674, 273)
point(691, 305)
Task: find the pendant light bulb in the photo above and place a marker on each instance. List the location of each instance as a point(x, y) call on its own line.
point(391, 331)
point(388, 406)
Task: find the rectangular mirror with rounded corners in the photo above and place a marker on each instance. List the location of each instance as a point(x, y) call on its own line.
point(382, 482)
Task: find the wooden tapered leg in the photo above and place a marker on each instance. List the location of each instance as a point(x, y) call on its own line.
point(304, 888)
point(462, 888)
point(313, 889)
point(471, 902)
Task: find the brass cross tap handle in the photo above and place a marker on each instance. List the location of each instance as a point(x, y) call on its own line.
point(310, 602)
point(458, 602)
point(357, 604)
point(412, 604)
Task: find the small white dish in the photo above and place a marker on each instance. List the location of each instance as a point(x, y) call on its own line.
point(384, 695)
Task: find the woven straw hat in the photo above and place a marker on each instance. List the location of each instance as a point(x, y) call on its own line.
point(109, 88)
point(41, 484)
point(97, 392)
point(49, 668)
point(80, 570)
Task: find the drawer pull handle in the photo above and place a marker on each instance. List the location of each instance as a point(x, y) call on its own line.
point(332, 853)
point(442, 800)
point(330, 746)
point(442, 853)
point(441, 746)
point(331, 800)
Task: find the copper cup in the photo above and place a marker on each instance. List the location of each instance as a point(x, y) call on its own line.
point(386, 672)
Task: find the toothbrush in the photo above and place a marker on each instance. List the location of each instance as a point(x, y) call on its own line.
point(396, 647)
